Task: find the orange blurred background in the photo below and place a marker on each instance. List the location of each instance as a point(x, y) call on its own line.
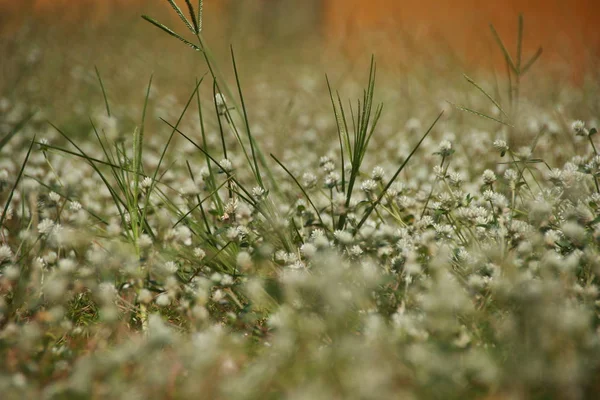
point(569, 32)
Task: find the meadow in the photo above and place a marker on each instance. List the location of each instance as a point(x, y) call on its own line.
point(182, 219)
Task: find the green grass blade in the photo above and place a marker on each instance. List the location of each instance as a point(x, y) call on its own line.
point(301, 189)
point(479, 114)
point(170, 32)
point(490, 98)
point(531, 61)
point(103, 91)
point(16, 130)
point(519, 43)
point(12, 191)
point(391, 181)
point(339, 130)
point(500, 43)
point(253, 149)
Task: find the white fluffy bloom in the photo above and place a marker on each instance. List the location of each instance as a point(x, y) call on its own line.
point(578, 128)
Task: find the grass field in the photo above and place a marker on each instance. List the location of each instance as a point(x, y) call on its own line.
point(181, 219)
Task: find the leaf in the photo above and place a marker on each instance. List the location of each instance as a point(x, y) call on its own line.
point(504, 50)
point(479, 114)
point(170, 32)
point(18, 127)
point(532, 60)
point(472, 82)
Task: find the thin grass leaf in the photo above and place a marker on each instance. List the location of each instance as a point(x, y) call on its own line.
point(201, 202)
point(316, 210)
point(253, 150)
point(339, 130)
point(16, 130)
point(247, 196)
point(103, 91)
point(170, 32)
point(391, 181)
point(12, 191)
point(519, 43)
point(479, 114)
point(164, 151)
point(472, 82)
point(532, 60)
point(180, 13)
point(500, 43)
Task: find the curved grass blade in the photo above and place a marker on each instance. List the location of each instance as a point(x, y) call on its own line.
point(103, 91)
point(301, 188)
point(472, 82)
point(532, 60)
point(12, 191)
point(18, 127)
point(170, 32)
point(500, 43)
point(479, 114)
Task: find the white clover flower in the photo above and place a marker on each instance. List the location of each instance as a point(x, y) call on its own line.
point(445, 148)
point(258, 192)
point(579, 129)
point(511, 175)
point(368, 186)
point(308, 250)
point(378, 174)
point(199, 253)
point(146, 182)
point(332, 179)
point(144, 241)
point(355, 251)
point(75, 206)
point(489, 177)
point(244, 260)
point(5, 253)
point(163, 300)
point(45, 226)
point(343, 237)
point(227, 280)
point(67, 265)
point(226, 165)
point(439, 172)
point(54, 197)
point(309, 180)
point(500, 145)
point(171, 267)
point(145, 296)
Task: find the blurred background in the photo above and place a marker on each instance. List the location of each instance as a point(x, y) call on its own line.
point(45, 43)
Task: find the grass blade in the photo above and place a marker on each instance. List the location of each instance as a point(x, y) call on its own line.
point(103, 91)
point(472, 82)
point(301, 188)
point(16, 130)
point(12, 191)
point(170, 32)
point(500, 43)
point(391, 181)
point(531, 61)
point(479, 114)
